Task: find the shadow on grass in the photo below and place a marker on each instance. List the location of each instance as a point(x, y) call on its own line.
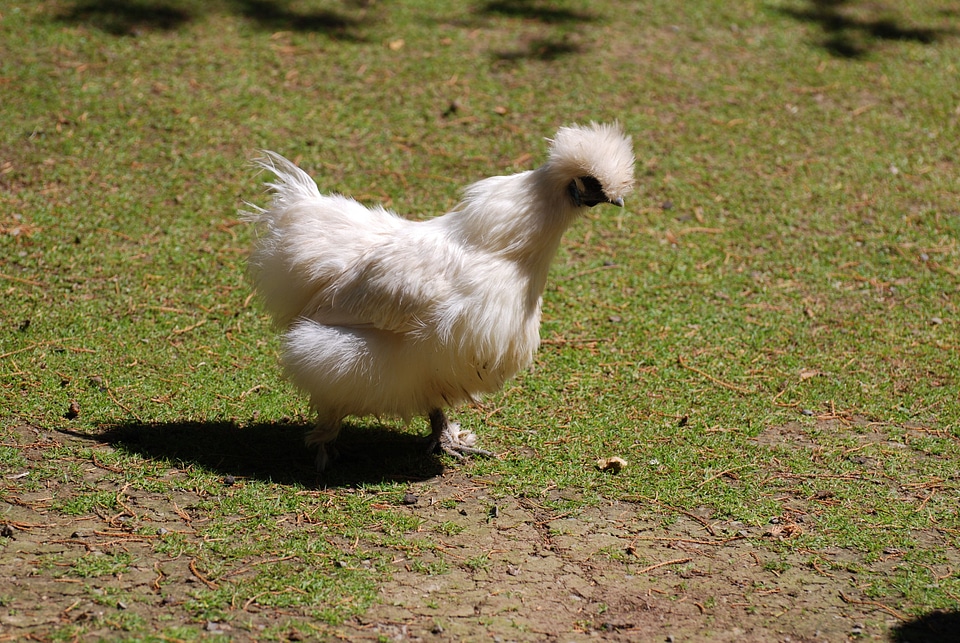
point(275, 451)
point(535, 10)
point(544, 49)
point(133, 17)
point(935, 627)
point(848, 36)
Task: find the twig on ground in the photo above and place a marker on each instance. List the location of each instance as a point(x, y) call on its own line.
point(704, 523)
point(200, 577)
point(676, 561)
point(715, 380)
point(888, 610)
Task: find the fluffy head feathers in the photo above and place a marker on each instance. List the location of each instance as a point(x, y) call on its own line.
point(601, 151)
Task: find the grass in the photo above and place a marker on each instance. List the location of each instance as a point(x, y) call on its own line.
point(790, 259)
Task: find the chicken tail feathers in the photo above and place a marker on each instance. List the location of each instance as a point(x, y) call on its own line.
point(291, 184)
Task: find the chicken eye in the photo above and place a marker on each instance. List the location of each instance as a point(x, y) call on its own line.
point(586, 191)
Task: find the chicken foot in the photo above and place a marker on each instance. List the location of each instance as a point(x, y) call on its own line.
point(447, 437)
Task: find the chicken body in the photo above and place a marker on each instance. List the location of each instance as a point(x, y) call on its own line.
point(386, 316)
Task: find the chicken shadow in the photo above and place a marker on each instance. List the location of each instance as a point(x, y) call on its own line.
point(133, 17)
point(275, 452)
point(846, 36)
point(935, 627)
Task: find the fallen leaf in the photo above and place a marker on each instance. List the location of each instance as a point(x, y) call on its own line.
point(612, 464)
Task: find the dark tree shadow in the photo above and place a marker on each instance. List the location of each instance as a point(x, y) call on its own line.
point(935, 627)
point(535, 10)
point(122, 18)
point(275, 451)
point(133, 17)
point(545, 49)
point(271, 14)
point(846, 36)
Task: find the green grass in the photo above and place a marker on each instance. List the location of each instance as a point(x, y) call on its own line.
point(790, 256)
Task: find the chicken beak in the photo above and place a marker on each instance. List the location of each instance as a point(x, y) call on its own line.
point(617, 202)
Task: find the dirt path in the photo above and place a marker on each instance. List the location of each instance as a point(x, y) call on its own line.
point(508, 569)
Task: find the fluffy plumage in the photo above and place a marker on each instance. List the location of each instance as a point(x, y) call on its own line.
point(385, 316)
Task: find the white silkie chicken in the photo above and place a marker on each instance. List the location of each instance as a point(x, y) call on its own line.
point(385, 316)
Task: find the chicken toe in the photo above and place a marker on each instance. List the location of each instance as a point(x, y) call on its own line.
point(447, 437)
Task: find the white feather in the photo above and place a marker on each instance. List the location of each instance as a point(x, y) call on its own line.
point(385, 316)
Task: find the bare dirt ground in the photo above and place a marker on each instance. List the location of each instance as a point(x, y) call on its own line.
point(513, 570)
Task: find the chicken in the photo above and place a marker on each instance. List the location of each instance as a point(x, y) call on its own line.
point(385, 316)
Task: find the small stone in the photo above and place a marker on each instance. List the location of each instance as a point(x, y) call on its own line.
point(73, 411)
point(936, 321)
point(229, 481)
point(410, 499)
point(806, 412)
